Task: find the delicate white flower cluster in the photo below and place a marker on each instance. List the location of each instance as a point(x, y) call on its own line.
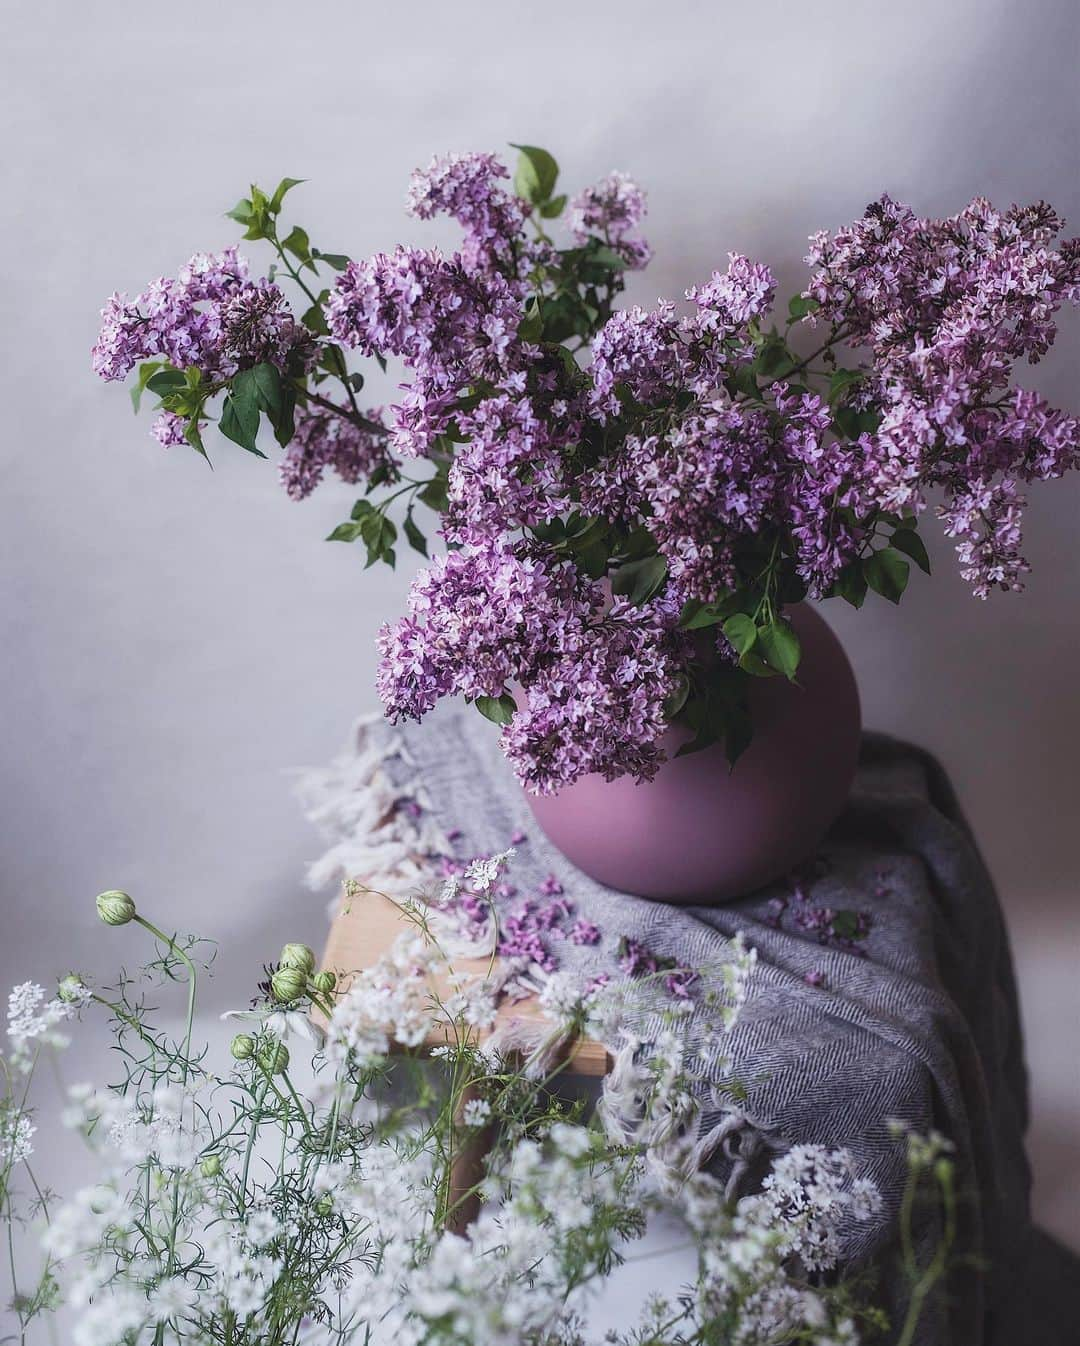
point(808, 1196)
point(250, 1207)
point(391, 1001)
point(396, 1001)
point(32, 1021)
point(156, 1126)
point(16, 1132)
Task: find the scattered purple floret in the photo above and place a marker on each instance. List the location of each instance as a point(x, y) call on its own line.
point(584, 932)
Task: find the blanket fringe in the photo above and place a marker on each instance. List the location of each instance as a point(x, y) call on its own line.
point(365, 811)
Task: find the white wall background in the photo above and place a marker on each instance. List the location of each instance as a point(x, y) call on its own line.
point(173, 639)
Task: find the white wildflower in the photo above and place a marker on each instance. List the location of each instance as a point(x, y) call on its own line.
point(282, 1023)
point(110, 1317)
point(481, 874)
point(32, 1020)
point(476, 1112)
point(16, 1132)
point(172, 1300)
point(561, 996)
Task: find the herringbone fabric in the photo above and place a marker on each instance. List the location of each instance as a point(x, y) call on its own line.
point(919, 1024)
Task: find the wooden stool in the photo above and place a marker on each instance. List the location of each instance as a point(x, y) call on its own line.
point(363, 931)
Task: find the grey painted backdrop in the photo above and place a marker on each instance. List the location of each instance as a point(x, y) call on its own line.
point(174, 639)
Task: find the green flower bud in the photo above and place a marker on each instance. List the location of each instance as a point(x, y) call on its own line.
point(210, 1166)
point(324, 982)
point(72, 990)
point(115, 908)
point(274, 1057)
point(288, 983)
point(242, 1047)
point(325, 1204)
point(298, 956)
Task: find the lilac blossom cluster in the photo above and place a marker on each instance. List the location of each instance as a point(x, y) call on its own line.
point(210, 317)
point(324, 440)
point(703, 471)
point(479, 897)
point(637, 960)
point(625, 494)
point(613, 210)
point(946, 308)
point(593, 677)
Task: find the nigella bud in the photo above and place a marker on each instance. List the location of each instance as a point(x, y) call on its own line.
point(324, 982)
point(210, 1166)
point(274, 1057)
point(298, 956)
point(288, 983)
point(242, 1047)
point(72, 990)
point(115, 907)
point(325, 1205)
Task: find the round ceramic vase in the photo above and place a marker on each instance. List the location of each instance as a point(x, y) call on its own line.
point(702, 832)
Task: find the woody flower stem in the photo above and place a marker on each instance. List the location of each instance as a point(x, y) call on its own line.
point(170, 943)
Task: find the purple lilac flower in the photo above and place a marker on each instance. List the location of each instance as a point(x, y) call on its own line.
point(509, 473)
point(947, 308)
point(323, 439)
point(637, 960)
point(257, 327)
point(597, 705)
point(209, 317)
point(583, 932)
point(732, 298)
point(434, 312)
point(465, 187)
point(611, 210)
point(479, 618)
point(640, 351)
point(168, 429)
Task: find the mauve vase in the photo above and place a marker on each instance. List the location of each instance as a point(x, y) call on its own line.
point(705, 833)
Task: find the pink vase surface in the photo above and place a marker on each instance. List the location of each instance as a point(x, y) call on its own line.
point(702, 832)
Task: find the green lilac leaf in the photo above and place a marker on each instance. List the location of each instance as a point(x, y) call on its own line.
point(337, 261)
point(240, 421)
point(166, 381)
point(780, 646)
point(851, 585)
point(536, 173)
point(284, 186)
point(266, 379)
point(639, 580)
point(433, 494)
point(241, 212)
point(344, 532)
point(194, 437)
point(842, 379)
point(887, 573)
point(675, 702)
point(742, 632)
point(298, 243)
point(499, 709)
point(800, 306)
point(416, 538)
point(146, 371)
point(911, 544)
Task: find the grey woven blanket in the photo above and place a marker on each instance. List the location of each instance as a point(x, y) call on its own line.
point(884, 988)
